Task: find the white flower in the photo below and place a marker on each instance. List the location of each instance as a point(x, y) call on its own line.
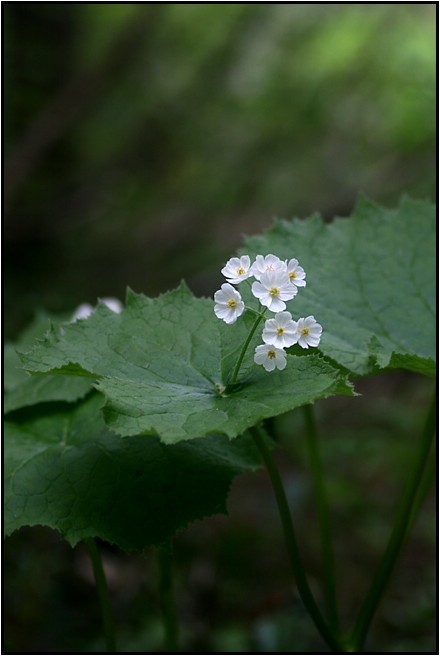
point(85, 309)
point(265, 263)
point(237, 269)
point(82, 311)
point(113, 304)
point(296, 273)
point(308, 331)
point(228, 304)
point(280, 331)
point(270, 357)
point(273, 289)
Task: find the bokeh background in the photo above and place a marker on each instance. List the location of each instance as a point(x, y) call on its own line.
point(141, 142)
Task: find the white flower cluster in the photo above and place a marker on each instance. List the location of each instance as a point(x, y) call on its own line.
point(85, 309)
point(276, 281)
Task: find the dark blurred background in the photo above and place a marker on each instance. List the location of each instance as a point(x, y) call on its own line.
point(141, 142)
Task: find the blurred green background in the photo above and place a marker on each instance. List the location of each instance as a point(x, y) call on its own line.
point(141, 142)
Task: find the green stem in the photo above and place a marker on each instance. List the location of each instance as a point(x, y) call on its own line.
point(291, 542)
point(244, 348)
point(103, 595)
point(323, 516)
point(400, 531)
point(425, 486)
point(167, 600)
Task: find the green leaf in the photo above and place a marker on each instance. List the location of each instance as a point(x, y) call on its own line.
point(41, 389)
point(24, 390)
point(64, 469)
point(14, 374)
point(371, 283)
point(163, 363)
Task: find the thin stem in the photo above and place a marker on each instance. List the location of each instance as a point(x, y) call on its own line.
point(323, 516)
point(171, 625)
point(103, 595)
point(400, 531)
point(425, 486)
point(291, 542)
point(244, 348)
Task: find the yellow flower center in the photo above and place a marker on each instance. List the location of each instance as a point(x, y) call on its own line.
point(280, 330)
point(240, 271)
point(305, 331)
point(274, 291)
point(271, 354)
point(292, 275)
point(231, 303)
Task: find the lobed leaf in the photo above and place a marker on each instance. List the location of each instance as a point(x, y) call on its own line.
point(163, 364)
point(23, 390)
point(42, 389)
point(64, 469)
point(371, 283)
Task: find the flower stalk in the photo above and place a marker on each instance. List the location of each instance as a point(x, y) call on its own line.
point(404, 518)
point(170, 621)
point(103, 595)
point(244, 349)
point(291, 543)
point(323, 515)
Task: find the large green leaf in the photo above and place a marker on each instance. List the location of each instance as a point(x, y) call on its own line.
point(163, 363)
point(40, 389)
point(64, 469)
point(371, 283)
point(13, 372)
point(24, 390)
